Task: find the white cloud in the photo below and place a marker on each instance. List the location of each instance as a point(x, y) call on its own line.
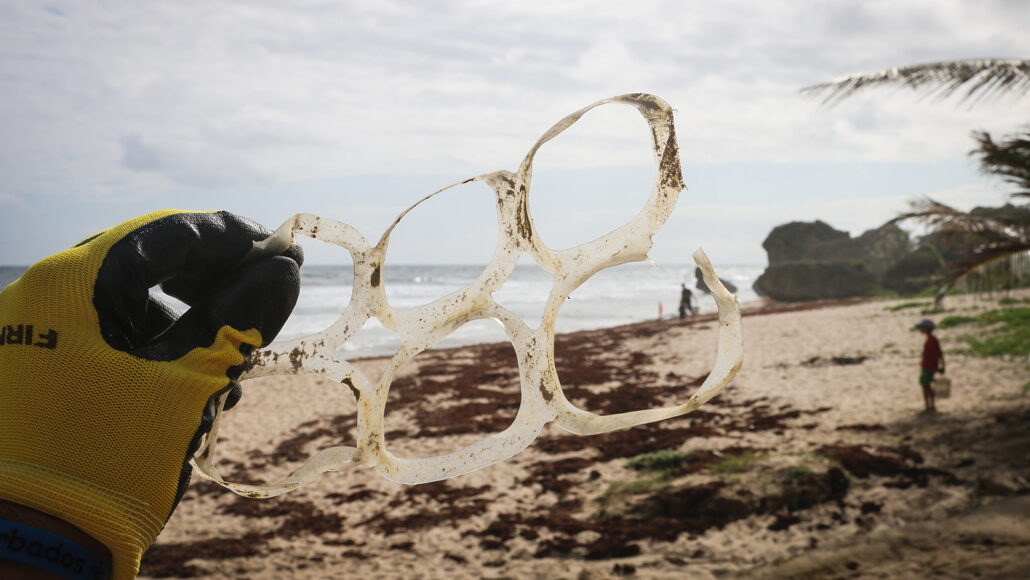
point(11, 202)
point(134, 99)
point(191, 165)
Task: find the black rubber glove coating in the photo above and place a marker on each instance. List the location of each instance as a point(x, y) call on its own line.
point(198, 258)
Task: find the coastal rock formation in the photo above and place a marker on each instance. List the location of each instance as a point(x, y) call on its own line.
point(800, 281)
point(812, 261)
point(793, 242)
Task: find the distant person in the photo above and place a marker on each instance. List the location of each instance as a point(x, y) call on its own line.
point(932, 363)
point(686, 301)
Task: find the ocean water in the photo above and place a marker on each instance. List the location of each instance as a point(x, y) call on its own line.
point(620, 295)
point(9, 274)
point(614, 296)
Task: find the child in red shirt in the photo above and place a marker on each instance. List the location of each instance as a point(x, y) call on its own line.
point(933, 362)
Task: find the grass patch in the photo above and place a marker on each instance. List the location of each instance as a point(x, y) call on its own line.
point(906, 305)
point(1013, 301)
point(737, 463)
point(621, 489)
point(955, 320)
point(1009, 333)
point(664, 460)
point(797, 472)
point(664, 464)
point(1009, 316)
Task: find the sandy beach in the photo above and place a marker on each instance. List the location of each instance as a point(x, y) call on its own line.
point(816, 462)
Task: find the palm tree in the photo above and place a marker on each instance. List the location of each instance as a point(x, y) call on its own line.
point(984, 79)
point(999, 235)
point(997, 241)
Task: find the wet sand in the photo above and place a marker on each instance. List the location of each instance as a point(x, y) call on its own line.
point(815, 462)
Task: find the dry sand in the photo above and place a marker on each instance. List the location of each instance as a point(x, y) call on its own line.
point(814, 463)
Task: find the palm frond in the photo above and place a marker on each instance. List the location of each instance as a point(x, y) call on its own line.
point(1012, 264)
point(985, 78)
point(945, 219)
point(996, 236)
point(1008, 158)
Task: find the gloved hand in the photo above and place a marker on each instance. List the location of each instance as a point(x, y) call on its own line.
point(105, 392)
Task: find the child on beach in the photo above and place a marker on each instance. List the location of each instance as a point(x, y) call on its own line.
point(932, 362)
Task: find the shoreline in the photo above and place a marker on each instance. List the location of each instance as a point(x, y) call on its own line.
point(759, 307)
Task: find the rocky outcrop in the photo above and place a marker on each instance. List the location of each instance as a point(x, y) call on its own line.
point(800, 281)
point(795, 241)
point(812, 261)
point(818, 242)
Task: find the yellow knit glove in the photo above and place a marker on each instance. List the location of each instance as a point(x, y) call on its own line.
point(105, 392)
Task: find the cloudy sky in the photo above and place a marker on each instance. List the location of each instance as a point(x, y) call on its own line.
point(353, 110)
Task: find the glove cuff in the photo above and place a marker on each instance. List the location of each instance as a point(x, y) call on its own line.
point(125, 525)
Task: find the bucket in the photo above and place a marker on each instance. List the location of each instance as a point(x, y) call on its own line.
point(941, 387)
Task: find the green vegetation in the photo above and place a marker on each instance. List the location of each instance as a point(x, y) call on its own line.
point(1009, 316)
point(617, 491)
point(1011, 301)
point(665, 464)
point(796, 473)
point(664, 460)
point(952, 321)
point(1008, 332)
point(737, 463)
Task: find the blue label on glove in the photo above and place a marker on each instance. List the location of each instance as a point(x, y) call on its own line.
point(50, 552)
